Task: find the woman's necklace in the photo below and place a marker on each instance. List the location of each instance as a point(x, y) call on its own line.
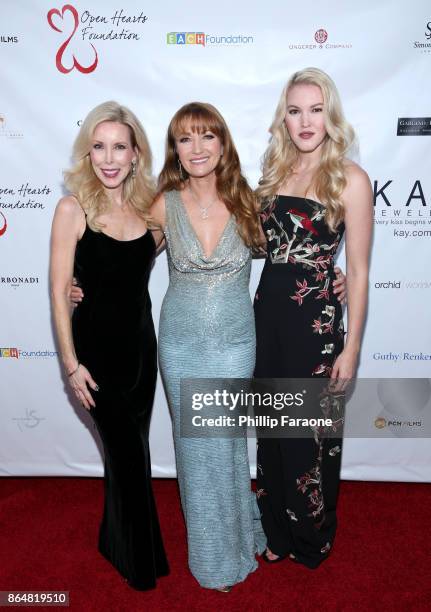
point(204, 209)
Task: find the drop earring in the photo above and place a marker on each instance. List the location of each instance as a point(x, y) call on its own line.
point(133, 168)
point(180, 168)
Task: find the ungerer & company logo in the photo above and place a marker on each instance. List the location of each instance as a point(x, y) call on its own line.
point(320, 37)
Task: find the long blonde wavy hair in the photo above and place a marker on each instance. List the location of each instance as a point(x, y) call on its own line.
point(232, 187)
point(281, 155)
point(83, 183)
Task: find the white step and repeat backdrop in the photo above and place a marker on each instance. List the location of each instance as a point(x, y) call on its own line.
point(59, 61)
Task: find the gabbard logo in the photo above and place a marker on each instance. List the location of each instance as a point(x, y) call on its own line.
point(67, 20)
point(3, 224)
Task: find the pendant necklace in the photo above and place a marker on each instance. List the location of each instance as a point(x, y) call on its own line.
point(204, 209)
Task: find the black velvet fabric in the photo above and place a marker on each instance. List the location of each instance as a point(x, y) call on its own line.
point(114, 338)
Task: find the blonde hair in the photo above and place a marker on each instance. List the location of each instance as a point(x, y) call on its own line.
point(232, 187)
point(281, 155)
point(83, 183)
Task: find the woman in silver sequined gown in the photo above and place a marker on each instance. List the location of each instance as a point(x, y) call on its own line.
point(207, 330)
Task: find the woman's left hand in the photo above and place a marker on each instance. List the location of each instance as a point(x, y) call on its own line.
point(343, 370)
point(340, 286)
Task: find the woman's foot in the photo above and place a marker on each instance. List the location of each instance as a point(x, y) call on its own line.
point(224, 589)
point(270, 557)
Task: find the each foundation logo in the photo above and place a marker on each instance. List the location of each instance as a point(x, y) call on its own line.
point(80, 30)
point(30, 420)
point(414, 126)
point(9, 353)
point(18, 353)
point(321, 36)
point(206, 40)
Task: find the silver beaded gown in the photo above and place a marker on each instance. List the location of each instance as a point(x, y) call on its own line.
point(207, 330)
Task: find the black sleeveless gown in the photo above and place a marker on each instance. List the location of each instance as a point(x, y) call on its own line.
point(114, 338)
point(299, 334)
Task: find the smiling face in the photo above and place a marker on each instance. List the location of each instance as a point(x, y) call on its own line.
point(304, 117)
point(112, 153)
point(199, 153)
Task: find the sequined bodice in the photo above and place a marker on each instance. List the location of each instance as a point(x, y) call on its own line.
point(207, 296)
point(187, 260)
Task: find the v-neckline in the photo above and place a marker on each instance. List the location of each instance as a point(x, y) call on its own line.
point(218, 243)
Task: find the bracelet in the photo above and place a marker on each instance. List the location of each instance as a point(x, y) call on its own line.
point(74, 371)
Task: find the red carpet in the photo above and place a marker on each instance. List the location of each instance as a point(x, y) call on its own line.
point(381, 558)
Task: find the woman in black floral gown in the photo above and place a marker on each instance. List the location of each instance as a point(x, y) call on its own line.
point(310, 194)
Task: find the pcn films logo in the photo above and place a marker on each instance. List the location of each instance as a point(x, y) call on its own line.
point(56, 14)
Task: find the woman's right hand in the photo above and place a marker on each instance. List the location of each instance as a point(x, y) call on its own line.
point(76, 294)
point(80, 380)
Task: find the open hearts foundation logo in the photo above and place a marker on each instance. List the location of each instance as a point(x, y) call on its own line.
point(3, 224)
point(59, 15)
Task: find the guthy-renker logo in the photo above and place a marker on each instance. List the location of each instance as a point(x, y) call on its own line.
point(59, 57)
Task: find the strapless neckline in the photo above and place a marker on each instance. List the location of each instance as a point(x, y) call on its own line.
point(292, 197)
point(88, 228)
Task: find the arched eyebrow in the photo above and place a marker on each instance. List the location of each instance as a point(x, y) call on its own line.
point(312, 106)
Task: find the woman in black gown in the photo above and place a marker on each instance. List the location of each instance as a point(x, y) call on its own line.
point(109, 352)
point(310, 194)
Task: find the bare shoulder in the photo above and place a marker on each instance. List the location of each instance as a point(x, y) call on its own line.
point(158, 210)
point(357, 195)
point(69, 219)
point(356, 177)
point(159, 202)
point(68, 206)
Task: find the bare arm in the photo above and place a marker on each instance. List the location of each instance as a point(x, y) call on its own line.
point(66, 229)
point(358, 201)
point(158, 217)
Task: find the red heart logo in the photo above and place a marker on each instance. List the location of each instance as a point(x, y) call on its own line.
point(66, 7)
point(59, 57)
point(4, 228)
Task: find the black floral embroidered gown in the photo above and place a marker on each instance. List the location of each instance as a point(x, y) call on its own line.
point(299, 329)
